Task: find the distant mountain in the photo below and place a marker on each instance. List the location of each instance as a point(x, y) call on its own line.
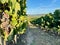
point(35, 14)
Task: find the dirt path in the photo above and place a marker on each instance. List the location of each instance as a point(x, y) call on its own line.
point(36, 36)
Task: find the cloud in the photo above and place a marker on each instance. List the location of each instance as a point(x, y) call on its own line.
point(43, 8)
point(39, 10)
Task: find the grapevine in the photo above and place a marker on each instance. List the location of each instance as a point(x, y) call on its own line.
point(12, 18)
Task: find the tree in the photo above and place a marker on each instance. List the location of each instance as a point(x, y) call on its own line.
point(57, 16)
point(57, 13)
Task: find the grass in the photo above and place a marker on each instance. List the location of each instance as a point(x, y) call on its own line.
point(30, 17)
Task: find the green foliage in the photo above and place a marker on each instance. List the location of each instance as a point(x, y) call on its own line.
point(16, 9)
point(57, 13)
point(50, 22)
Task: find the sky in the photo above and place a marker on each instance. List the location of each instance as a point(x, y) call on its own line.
point(42, 6)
